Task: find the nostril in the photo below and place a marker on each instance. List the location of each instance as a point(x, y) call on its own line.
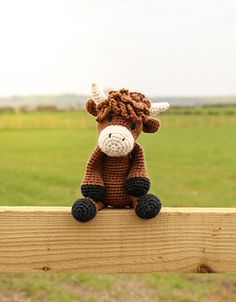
point(110, 135)
point(123, 139)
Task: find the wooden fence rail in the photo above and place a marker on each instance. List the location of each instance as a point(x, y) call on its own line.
point(200, 240)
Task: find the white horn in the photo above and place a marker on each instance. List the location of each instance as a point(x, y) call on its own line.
point(97, 94)
point(159, 107)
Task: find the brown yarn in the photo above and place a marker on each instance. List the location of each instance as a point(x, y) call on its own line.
point(120, 108)
point(91, 107)
point(112, 172)
point(130, 105)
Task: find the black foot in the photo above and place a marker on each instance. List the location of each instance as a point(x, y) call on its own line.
point(148, 206)
point(83, 210)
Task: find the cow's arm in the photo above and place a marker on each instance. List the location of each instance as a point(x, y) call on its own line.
point(138, 182)
point(92, 185)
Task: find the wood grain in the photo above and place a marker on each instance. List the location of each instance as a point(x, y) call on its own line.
point(201, 240)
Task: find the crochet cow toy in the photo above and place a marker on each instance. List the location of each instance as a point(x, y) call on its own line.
point(116, 174)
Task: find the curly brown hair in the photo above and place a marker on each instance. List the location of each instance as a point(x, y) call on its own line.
point(129, 105)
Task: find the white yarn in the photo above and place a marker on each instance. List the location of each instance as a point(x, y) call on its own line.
point(116, 141)
point(159, 107)
point(97, 94)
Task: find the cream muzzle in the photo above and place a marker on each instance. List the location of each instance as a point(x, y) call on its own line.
point(116, 141)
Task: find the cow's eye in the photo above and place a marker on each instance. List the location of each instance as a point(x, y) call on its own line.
point(109, 118)
point(133, 125)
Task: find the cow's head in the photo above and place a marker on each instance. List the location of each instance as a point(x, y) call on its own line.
point(121, 117)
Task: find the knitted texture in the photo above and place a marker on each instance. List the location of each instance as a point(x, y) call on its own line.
point(113, 174)
point(83, 210)
point(129, 106)
point(116, 141)
point(95, 192)
point(148, 206)
point(137, 186)
point(116, 173)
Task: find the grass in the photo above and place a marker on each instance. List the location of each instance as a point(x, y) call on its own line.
point(204, 110)
point(45, 167)
point(191, 163)
point(118, 288)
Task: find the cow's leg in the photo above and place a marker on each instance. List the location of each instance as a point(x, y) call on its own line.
point(147, 206)
point(85, 209)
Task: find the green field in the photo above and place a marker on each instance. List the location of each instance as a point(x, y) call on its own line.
point(191, 163)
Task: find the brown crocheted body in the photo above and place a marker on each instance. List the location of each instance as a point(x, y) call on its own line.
point(117, 175)
point(114, 173)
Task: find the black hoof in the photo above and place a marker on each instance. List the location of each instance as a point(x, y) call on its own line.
point(148, 206)
point(83, 210)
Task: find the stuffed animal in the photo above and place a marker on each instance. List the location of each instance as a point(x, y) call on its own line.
point(116, 174)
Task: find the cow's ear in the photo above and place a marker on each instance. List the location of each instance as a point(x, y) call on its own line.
point(151, 125)
point(91, 107)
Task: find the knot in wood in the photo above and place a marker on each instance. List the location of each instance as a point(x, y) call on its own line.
point(205, 269)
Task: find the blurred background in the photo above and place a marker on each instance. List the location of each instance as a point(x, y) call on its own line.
point(178, 51)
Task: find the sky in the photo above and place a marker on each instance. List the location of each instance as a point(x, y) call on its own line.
point(158, 47)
